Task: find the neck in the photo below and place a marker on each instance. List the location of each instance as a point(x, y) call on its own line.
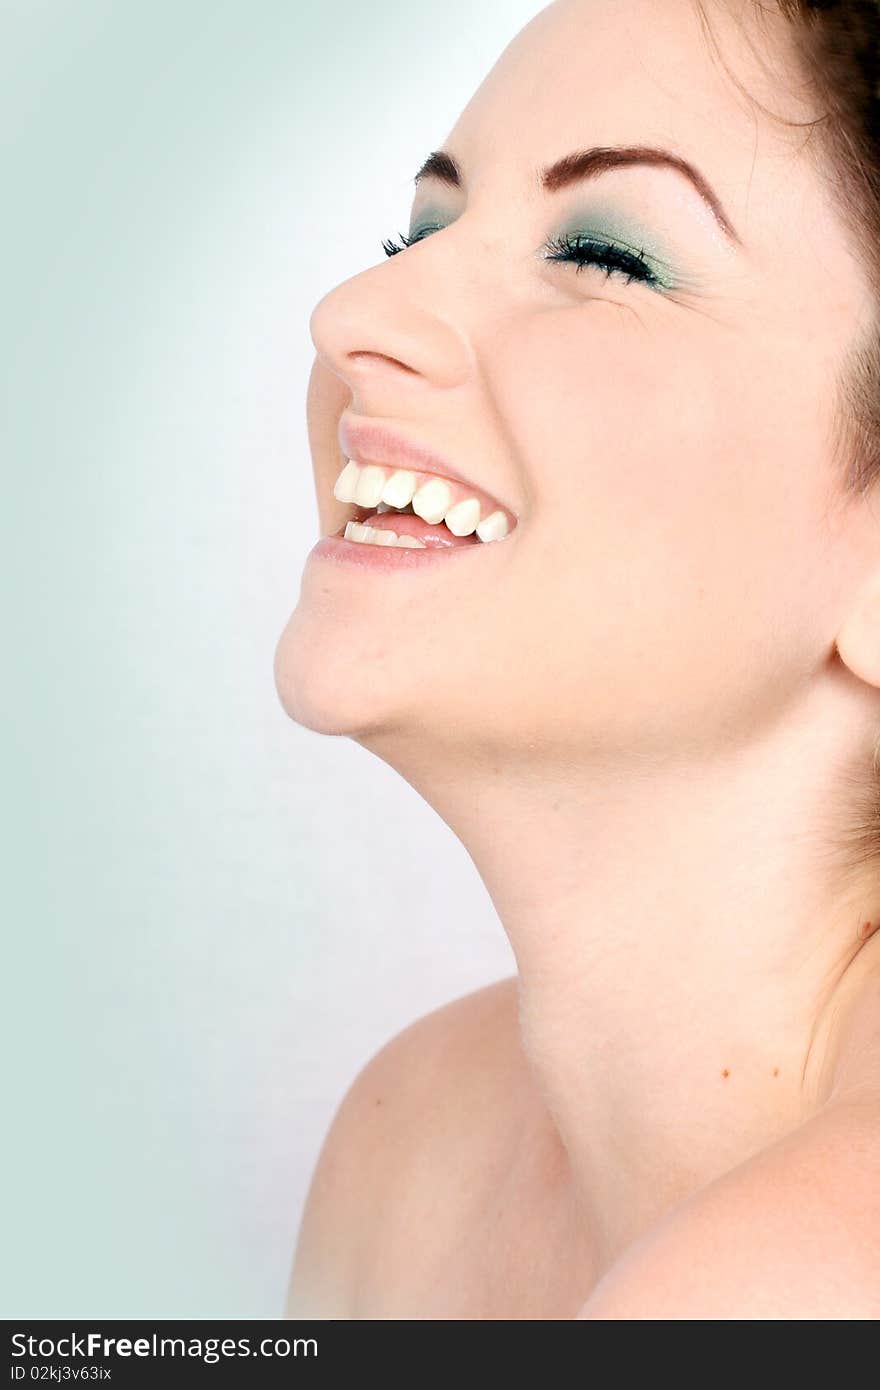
point(681, 957)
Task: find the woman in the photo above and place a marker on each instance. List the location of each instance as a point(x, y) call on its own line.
point(635, 323)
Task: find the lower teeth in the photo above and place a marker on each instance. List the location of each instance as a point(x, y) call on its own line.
point(372, 535)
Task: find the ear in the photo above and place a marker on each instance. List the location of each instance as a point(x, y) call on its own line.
point(858, 641)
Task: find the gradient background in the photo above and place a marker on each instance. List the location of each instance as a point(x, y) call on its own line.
point(199, 956)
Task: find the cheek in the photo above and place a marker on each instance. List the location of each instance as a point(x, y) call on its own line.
point(675, 489)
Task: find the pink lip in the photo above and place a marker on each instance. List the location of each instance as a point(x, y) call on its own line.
point(369, 441)
point(389, 559)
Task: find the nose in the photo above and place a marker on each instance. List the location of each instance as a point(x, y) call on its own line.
point(384, 333)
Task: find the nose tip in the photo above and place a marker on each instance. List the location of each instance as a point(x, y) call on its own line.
point(326, 328)
point(371, 330)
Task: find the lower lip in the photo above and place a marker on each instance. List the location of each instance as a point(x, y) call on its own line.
point(390, 557)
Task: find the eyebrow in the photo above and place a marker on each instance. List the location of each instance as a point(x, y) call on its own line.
point(588, 164)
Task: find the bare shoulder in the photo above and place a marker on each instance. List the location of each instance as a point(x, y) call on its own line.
point(403, 1139)
point(794, 1233)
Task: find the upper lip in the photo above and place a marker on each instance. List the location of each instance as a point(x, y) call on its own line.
point(370, 441)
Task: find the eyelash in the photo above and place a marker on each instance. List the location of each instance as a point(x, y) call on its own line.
point(581, 250)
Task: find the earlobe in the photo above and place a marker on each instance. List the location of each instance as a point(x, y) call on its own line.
point(858, 641)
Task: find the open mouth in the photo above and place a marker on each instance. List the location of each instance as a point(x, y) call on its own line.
point(402, 507)
point(403, 527)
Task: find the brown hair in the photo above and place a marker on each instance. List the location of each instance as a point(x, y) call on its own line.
point(836, 44)
point(836, 49)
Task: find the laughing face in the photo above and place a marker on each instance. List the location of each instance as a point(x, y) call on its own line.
point(616, 324)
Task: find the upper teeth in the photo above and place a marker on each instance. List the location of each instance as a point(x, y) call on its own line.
point(368, 484)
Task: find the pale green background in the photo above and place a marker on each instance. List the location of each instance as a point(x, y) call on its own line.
point(199, 953)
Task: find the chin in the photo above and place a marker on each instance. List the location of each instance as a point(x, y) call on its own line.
point(327, 683)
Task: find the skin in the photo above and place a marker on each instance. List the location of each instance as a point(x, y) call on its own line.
point(641, 714)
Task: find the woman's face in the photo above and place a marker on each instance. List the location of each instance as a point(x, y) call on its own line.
point(677, 570)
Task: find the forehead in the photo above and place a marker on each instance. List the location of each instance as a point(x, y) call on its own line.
point(595, 72)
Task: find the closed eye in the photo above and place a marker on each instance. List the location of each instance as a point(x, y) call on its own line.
point(579, 250)
point(614, 260)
